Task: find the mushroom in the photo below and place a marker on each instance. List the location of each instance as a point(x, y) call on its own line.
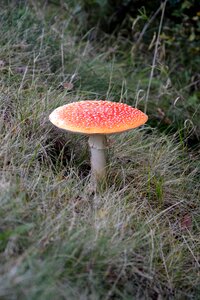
point(97, 118)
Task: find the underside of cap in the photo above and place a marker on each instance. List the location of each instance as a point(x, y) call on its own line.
point(97, 117)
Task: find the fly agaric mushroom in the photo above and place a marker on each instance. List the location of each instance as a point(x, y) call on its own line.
point(97, 118)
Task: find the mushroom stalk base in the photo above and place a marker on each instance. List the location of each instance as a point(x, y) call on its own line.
point(98, 143)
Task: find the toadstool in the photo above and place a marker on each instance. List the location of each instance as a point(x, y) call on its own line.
point(97, 118)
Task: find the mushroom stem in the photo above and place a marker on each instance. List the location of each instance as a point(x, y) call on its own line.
point(98, 143)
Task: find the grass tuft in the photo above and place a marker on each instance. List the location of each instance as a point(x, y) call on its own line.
point(140, 237)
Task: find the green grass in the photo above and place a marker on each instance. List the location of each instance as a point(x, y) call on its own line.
point(139, 239)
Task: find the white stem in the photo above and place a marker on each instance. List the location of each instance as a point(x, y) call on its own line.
point(98, 143)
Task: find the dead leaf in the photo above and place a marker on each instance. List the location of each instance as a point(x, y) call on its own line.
point(2, 63)
point(186, 222)
point(162, 116)
point(161, 113)
point(21, 70)
point(101, 213)
point(20, 46)
point(68, 86)
point(167, 121)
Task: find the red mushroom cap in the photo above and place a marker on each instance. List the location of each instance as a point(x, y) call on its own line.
point(97, 117)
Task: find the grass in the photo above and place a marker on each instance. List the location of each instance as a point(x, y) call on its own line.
point(137, 240)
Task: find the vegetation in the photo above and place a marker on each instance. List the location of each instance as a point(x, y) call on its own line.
point(139, 239)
